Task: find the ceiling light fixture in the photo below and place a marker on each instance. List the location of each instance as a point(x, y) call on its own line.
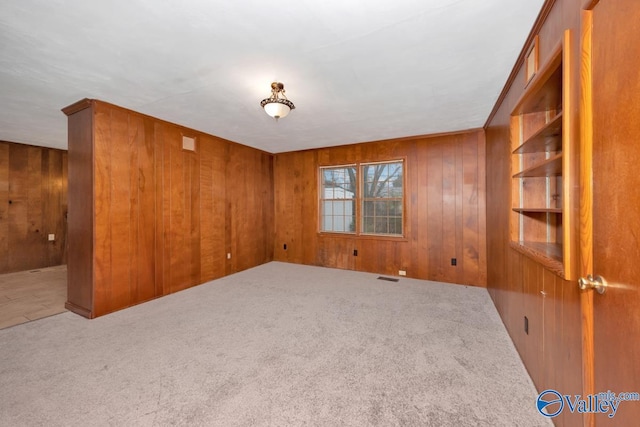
point(277, 105)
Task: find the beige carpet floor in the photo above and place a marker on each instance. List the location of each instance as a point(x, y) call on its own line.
point(277, 345)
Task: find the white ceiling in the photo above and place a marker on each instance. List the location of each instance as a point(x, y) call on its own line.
point(357, 70)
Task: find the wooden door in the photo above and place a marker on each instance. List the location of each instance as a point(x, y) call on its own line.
point(616, 203)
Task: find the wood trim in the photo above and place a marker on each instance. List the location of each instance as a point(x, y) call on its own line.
point(590, 4)
point(535, 51)
point(77, 106)
point(540, 79)
point(85, 103)
point(78, 310)
point(544, 259)
point(586, 204)
point(401, 139)
point(569, 162)
point(537, 26)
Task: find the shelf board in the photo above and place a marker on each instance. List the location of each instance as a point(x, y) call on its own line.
point(549, 167)
point(547, 254)
point(538, 210)
point(547, 139)
point(544, 92)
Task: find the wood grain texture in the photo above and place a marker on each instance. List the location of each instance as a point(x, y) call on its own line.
point(80, 267)
point(515, 280)
point(4, 207)
point(570, 159)
point(586, 203)
point(443, 207)
point(616, 217)
point(33, 191)
point(163, 218)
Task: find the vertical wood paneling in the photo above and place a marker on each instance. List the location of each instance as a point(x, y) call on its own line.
point(435, 207)
point(54, 206)
point(153, 130)
point(219, 193)
point(33, 205)
point(295, 176)
point(164, 217)
point(442, 213)
point(194, 229)
point(19, 208)
point(34, 238)
point(144, 187)
point(178, 210)
point(208, 220)
point(449, 215)
point(165, 193)
point(65, 207)
point(123, 253)
point(250, 198)
point(460, 223)
point(81, 216)
point(4, 207)
point(103, 205)
point(470, 237)
point(482, 209)
point(419, 205)
point(518, 285)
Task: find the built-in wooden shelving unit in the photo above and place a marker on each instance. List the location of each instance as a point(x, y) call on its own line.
point(540, 135)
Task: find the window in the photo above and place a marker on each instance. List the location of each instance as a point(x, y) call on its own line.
point(382, 191)
point(372, 193)
point(337, 199)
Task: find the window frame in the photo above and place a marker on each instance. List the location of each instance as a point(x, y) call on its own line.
point(322, 200)
point(359, 201)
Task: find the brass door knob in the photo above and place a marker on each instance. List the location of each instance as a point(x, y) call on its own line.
point(590, 282)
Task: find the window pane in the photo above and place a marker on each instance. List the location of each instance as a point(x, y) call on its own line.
point(338, 199)
point(382, 198)
point(381, 208)
point(396, 208)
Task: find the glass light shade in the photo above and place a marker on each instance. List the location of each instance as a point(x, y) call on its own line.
point(276, 109)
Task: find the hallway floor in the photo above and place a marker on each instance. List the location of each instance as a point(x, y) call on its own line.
point(31, 295)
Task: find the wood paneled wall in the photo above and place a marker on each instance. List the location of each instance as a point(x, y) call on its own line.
point(519, 286)
point(444, 208)
point(150, 218)
point(33, 204)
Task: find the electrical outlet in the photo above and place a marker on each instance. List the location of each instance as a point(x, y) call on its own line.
point(402, 272)
point(52, 237)
point(228, 255)
point(454, 261)
point(285, 246)
point(355, 252)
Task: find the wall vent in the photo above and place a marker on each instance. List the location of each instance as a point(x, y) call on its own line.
point(188, 143)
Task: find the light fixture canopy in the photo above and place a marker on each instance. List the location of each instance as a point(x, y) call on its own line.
point(277, 105)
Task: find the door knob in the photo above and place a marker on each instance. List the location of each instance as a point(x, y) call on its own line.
point(590, 282)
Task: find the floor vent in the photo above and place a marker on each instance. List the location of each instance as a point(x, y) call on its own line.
point(34, 271)
point(388, 279)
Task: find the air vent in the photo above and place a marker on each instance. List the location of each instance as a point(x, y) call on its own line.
point(388, 279)
point(188, 143)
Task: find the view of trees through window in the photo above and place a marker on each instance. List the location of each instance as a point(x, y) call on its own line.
point(378, 191)
point(338, 199)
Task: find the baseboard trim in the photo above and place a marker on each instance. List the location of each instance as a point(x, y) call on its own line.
point(78, 310)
